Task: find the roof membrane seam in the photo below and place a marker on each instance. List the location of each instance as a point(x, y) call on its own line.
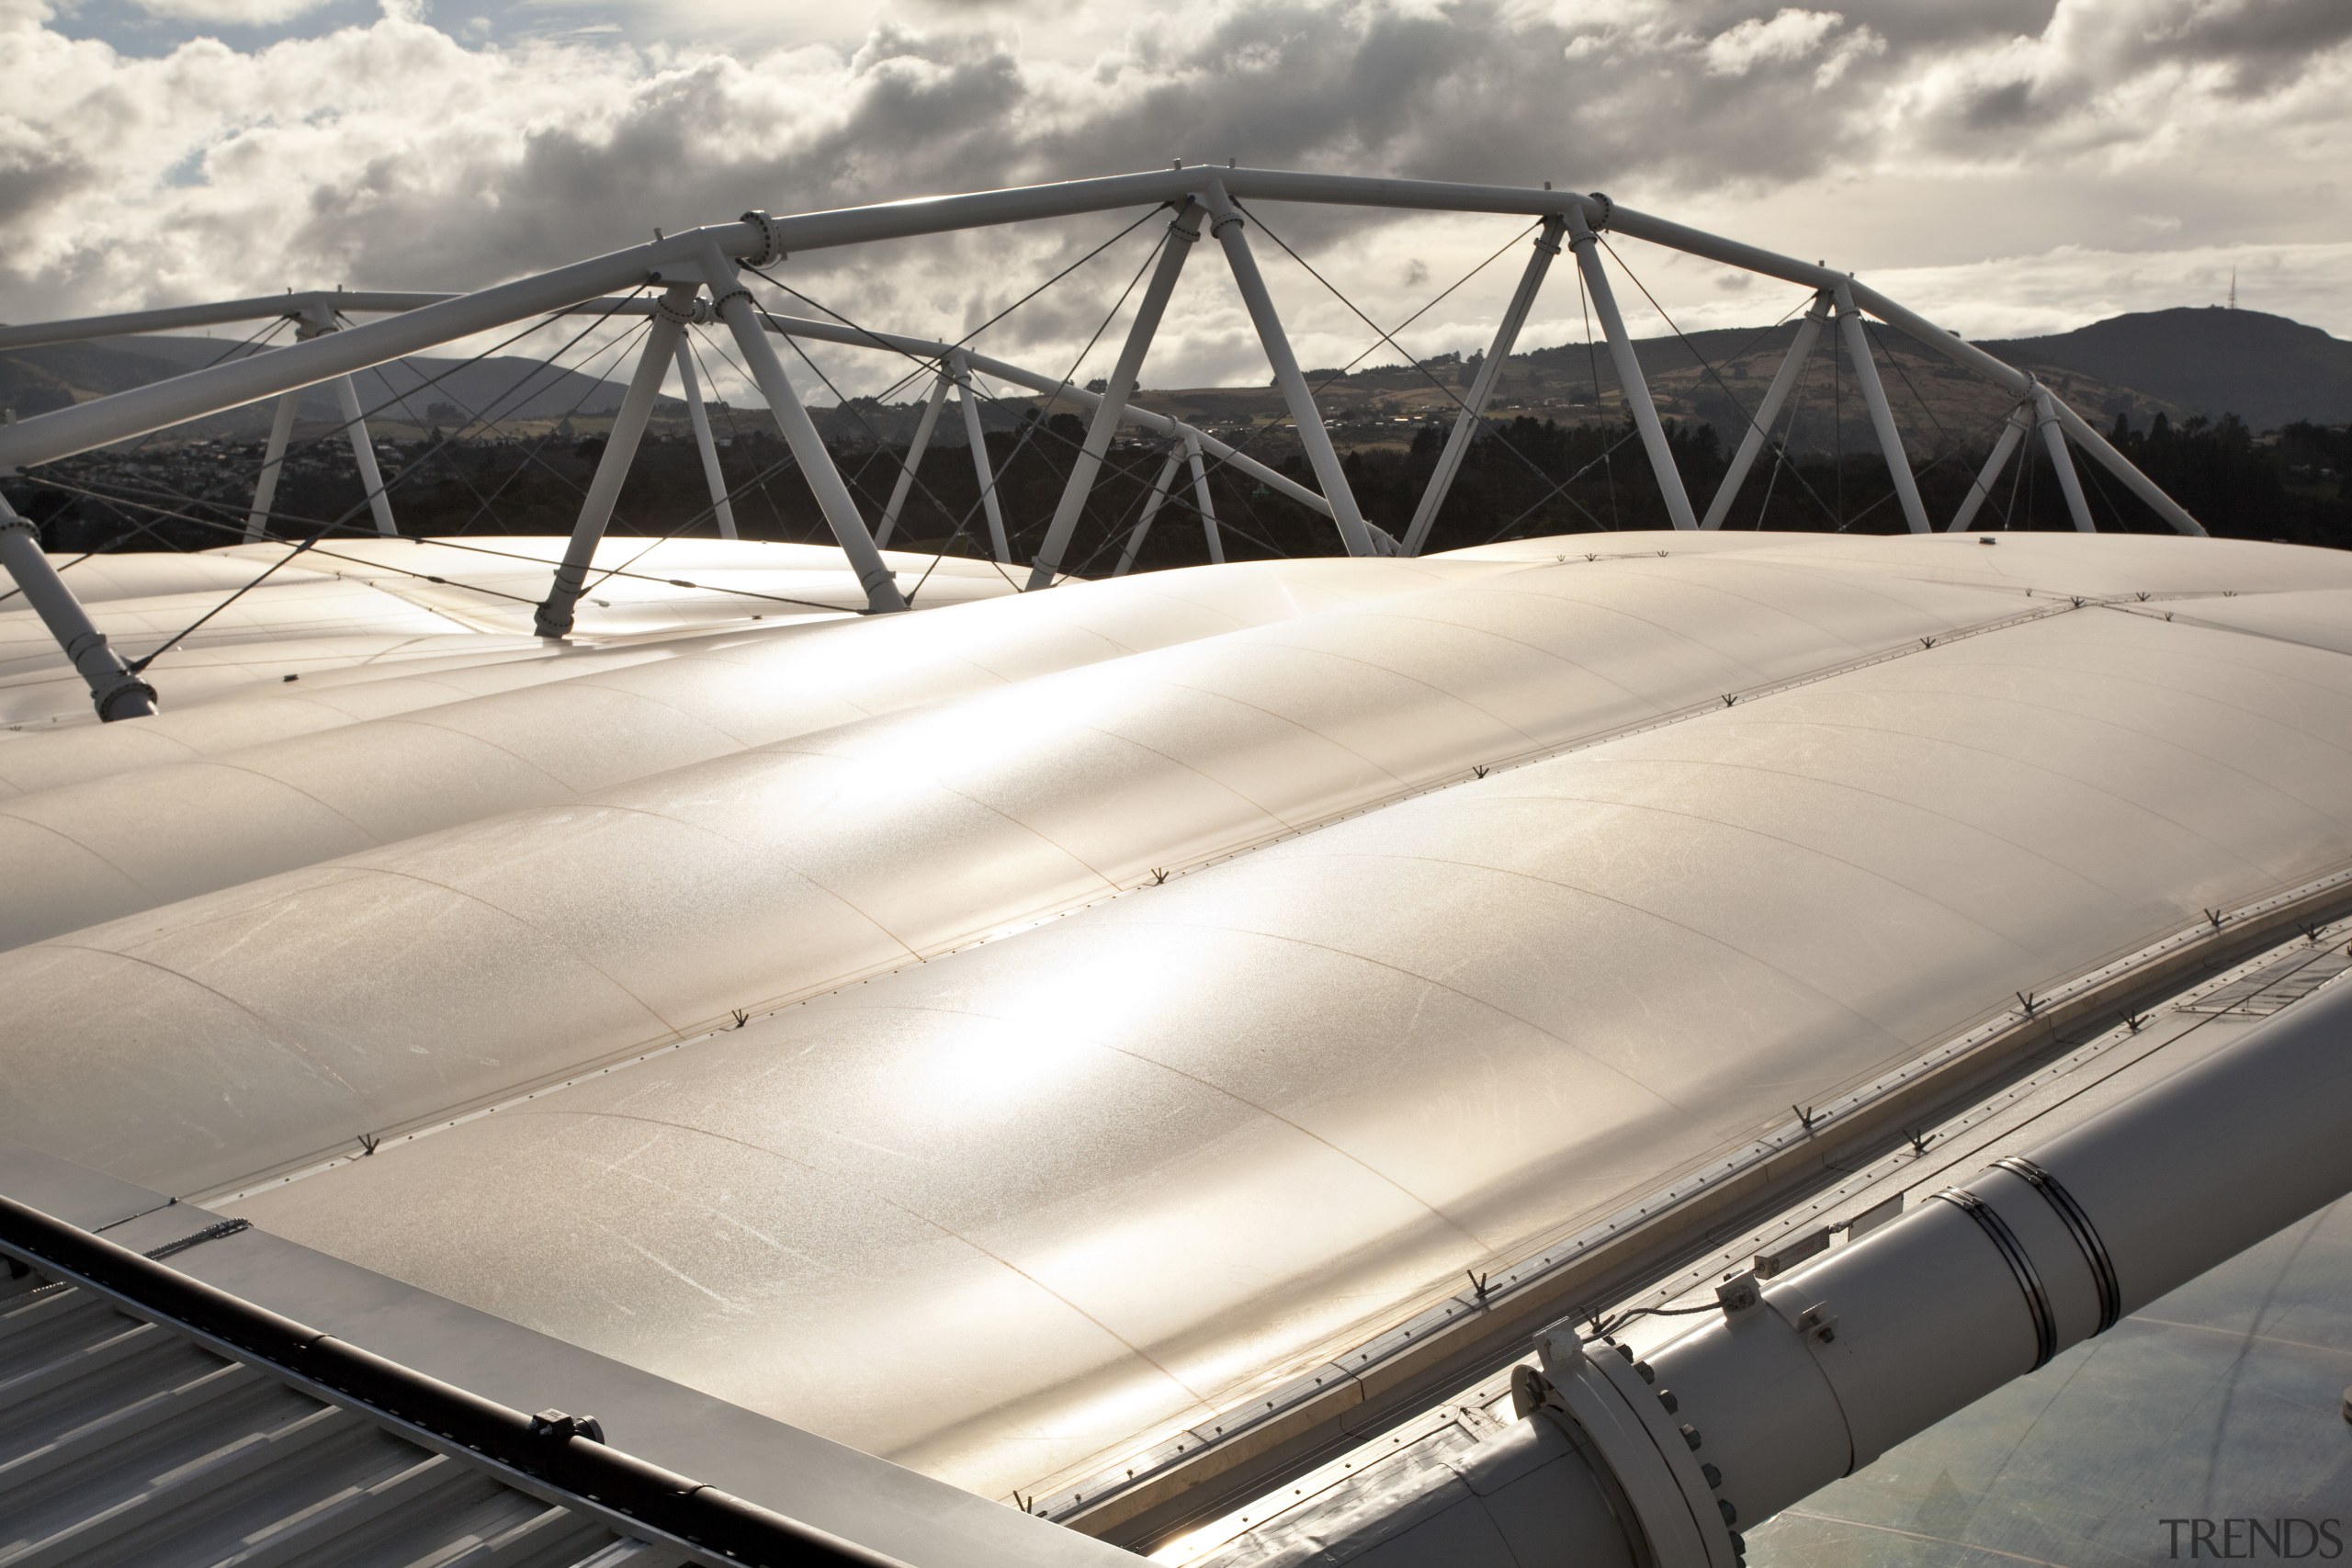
point(1841, 784)
point(7, 809)
point(289, 1046)
point(2121, 801)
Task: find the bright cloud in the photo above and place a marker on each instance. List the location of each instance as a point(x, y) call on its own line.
point(1790, 35)
point(231, 13)
point(415, 151)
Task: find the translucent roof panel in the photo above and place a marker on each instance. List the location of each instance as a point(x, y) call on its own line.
point(144, 574)
point(398, 680)
point(999, 1214)
point(324, 619)
point(2319, 619)
point(110, 846)
point(2120, 566)
point(631, 917)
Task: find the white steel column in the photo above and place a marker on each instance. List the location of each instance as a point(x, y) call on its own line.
point(1890, 440)
point(1181, 232)
point(318, 322)
point(1630, 380)
point(1210, 531)
point(1784, 381)
point(2054, 437)
point(699, 417)
point(663, 337)
point(999, 546)
point(1150, 510)
point(2012, 432)
point(913, 462)
point(1473, 408)
point(273, 458)
point(1226, 224)
point(115, 690)
point(735, 308)
point(362, 455)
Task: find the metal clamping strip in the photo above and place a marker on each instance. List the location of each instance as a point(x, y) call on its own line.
point(2013, 1253)
point(2078, 1225)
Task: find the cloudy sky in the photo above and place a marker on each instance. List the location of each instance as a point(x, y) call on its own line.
point(2006, 166)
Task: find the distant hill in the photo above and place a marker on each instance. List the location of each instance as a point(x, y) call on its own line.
point(36, 380)
point(2268, 370)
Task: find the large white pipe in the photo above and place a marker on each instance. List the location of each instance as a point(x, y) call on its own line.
point(1818, 1372)
point(217, 313)
point(115, 690)
point(1986, 1282)
point(714, 477)
point(662, 339)
point(236, 382)
point(734, 303)
point(1052, 390)
point(912, 462)
point(2070, 483)
point(1630, 380)
point(1784, 381)
point(1211, 535)
point(1181, 233)
point(1890, 439)
point(967, 403)
point(273, 462)
point(1473, 408)
point(2122, 467)
point(1227, 224)
point(1151, 506)
point(363, 456)
point(1981, 489)
point(429, 321)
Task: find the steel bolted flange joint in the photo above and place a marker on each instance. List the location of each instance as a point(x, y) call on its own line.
point(771, 238)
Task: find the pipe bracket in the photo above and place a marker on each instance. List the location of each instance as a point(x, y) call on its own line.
point(1653, 1462)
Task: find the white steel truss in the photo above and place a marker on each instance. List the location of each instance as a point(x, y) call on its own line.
point(706, 261)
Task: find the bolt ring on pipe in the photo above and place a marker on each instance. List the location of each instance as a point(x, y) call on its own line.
point(2013, 1253)
point(2078, 1225)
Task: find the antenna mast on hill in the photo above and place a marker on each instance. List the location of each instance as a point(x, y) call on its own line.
point(2233, 288)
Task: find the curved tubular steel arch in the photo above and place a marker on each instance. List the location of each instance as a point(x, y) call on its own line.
point(409, 323)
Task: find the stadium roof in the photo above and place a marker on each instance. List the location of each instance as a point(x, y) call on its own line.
point(1022, 1037)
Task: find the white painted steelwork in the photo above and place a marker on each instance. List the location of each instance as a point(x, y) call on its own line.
point(2013, 431)
point(1151, 506)
point(911, 464)
point(1809, 1376)
point(663, 338)
point(967, 403)
point(1183, 232)
point(1473, 408)
point(1586, 244)
point(709, 255)
point(1856, 333)
point(1759, 424)
point(1227, 224)
point(273, 459)
point(722, 505)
